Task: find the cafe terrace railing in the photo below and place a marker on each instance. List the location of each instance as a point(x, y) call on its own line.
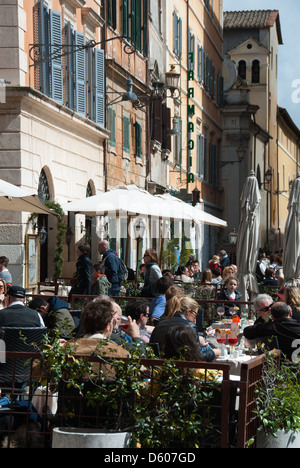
point(22, 425)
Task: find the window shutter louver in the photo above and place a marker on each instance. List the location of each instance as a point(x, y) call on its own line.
point(80, 74)
point(56, 62)
point(99, 86)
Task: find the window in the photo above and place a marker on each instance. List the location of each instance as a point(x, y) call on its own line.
point(77, 79)
point(255, 71)
point(178, 145)
point(242, 69)
point(126, 133)
point(112, 126)
point(200, 63)
point(49, 34)
point(191, 50)
point(138, 140)
point(112, 13)
point(135, 23)
point(177, 35)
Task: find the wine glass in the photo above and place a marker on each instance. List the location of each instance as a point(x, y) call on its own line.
point(221, 339)
point(220, 311)
point(232, 341)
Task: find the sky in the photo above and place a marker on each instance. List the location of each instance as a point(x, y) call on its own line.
point(289, 52)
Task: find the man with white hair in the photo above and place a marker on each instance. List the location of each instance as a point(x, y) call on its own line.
point(263, 304)
point(111, 263)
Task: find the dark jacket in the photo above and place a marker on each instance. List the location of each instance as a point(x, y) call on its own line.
point(224, 296)
point(163, 326)
point(19, 316)
point(286, 330)
point(59, 316)
point(84, 274)
point(153, 273)
point(111, 263)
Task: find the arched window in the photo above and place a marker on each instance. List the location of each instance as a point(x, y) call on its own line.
point(43, 190)
point(242, 69)
point(255, 71)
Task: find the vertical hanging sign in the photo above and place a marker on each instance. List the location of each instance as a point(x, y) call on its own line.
point(190, 115)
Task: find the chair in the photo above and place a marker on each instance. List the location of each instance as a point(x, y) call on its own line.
point(48, 287)
point(15, 373)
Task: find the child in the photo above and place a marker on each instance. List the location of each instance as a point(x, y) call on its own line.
point(230, 293)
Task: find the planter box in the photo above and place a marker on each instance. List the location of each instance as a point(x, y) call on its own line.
point(284, 439)
point(89, 438)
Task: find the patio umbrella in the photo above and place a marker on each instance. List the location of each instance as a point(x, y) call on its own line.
point(125, 199)
point(291, 245)
point(191, 212)
point(13, 198)
point(248, 238)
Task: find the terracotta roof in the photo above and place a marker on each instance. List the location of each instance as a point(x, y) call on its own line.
point(253, 19)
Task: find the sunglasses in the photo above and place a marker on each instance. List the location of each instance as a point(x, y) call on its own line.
point(265, 309)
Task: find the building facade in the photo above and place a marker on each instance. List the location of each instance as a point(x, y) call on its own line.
point(251, 44)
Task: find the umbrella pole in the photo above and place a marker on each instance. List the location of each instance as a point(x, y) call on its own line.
point(162, 242)
point(127, 240)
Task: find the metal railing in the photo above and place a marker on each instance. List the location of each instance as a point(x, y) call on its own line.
point(27, 416)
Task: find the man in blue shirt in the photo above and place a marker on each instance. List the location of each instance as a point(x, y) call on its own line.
point(158, 304)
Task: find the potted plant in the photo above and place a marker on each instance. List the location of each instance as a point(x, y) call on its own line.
point(278, 406)
point(171, 414)
point(95, 404)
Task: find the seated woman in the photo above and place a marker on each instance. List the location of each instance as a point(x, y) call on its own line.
point(182, 275)
point(183, 310)
point(230, 293)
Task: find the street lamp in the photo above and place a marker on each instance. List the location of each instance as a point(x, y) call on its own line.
point(233, 237)
point(139, 230)
point(172, 80)
point(268, 179)
point(196, 196)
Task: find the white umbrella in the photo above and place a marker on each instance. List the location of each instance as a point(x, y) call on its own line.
point(248, 238)
point(126, 199)
point(291, 246)
point(14, 198)
point(190, 212)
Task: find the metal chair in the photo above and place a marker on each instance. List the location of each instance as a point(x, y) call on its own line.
point(15, 373)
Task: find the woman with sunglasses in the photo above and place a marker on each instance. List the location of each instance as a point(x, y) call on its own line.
point(3, 292)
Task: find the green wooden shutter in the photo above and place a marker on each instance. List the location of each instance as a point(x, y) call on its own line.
point(133, 24)
point(138, 25)
point(125, 19)
point(138, 140)
point(126, 133)
point(112, 126)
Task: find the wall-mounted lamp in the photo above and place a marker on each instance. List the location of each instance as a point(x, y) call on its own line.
point(172, 81)
point(129, 96)
point(196, 196)
point(233, 237)
point(241, 152)
point(43, 234)
point(175, 130)
point(268, 180)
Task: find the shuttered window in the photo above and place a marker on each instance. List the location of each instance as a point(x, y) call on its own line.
point(177, 26)
point(135, 23)
point(138, 140)
point(112, 126)
point(126, 133)
point(78, 80)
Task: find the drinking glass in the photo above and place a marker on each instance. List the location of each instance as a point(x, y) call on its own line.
point(220, 311)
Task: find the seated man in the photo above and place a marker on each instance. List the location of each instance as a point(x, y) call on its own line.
point(281, 325)
point(17, 314)
point(138, 310)
point(158, 304)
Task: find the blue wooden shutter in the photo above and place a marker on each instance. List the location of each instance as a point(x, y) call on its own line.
point(175, 27)
point(70, 66)
point(80, 74)
point(43, 33)
point(99, 87)
point(56, 62)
